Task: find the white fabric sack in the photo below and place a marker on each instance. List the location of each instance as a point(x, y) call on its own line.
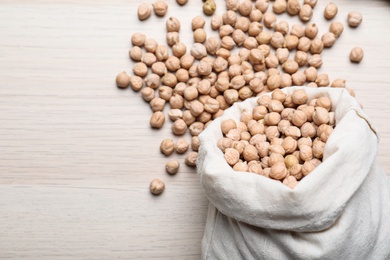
point(341, 210)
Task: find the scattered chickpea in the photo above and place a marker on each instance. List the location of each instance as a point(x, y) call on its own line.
point(306, 13)
point(179, 127)
point(279, 6)
point(181, 146)
point(338, 83)
point(293, 7)
point(330, 11)
point(167, 147)
point(354, 19)
point(209, 7)
point(122, 80)
point(336, 28)
point(173, 24)
point(172, 167)
point(160, 8)
point(269, 20)
point(356, 54)
point(328, 39)
point(156, 187)
point(144, 11)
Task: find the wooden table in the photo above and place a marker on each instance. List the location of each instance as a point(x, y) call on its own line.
point(77, 154)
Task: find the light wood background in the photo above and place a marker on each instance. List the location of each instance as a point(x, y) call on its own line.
point(77, 154)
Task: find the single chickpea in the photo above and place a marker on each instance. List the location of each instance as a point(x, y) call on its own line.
point(181, 146)
point(296, 171)
point(157, 120)
point(157, 104)
point(293, 132)
point(289, 144)
point(297, 30)
point(160, 8)
point(330, 11)
point(324, 131)
point(179, 127)
point(209, 7)
point(290, 161)
point(272, 118)
point(197, 127)
point(279, 95)
point(275, 158)
point(324, 102)
point(232, 156)
point(191, 159)
point(167, 147)
point(277, 40)
point(122, 80)
point(147, 94)
point(305, 153)
point(311, 74)
point(282, 27)
point(274, 82)
point(172, 167)
point(356, 54)
point(290, 66)
point(243, 24)
point(308, 130)
point(278, 171)
point(175, 114)
point(336, 28)
point(315, 61)
point(140, 69)
point(195, 143)
point(245, 7)
point(200, 35)
point(293, 7)
point(302, 58)
point(269, 20)
point(298, 78)
point(338, 83)
point(307, 168)
point(135, 53)
point(216, 22)
point(291, 42)
point(282, 54)
point(298, 118)
point(306, 13)
point(144, 11)
point(279, 6)
point(197, 22)
point(241, 166)
point(181, 2)
point(318, 148)
point(322, 80)
point(149, 59)
point(250, 153)
point(290, 181)
point(161, 52)
point(198, 51)
point(212, 44)
point(255, 167)
point(304, 44)
point(256, 15)
point(354, 19)
point(320, 116)
point(173, 24)
point(328, 39)
point(238, 37)
point(224, 143)
point(316, 46)
point(156, 186)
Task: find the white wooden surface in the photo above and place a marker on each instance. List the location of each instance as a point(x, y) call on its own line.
point(77, 154)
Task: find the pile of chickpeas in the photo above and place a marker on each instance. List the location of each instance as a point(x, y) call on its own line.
point(251, 53)
point(283, 138)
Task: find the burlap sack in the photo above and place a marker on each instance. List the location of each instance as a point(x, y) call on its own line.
point(339, 211)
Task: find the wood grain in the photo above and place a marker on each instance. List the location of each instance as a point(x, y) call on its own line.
point(77, 154)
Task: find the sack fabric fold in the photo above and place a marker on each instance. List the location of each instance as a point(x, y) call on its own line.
point(341, 210)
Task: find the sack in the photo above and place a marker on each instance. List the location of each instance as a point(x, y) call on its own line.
point(341, 210)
